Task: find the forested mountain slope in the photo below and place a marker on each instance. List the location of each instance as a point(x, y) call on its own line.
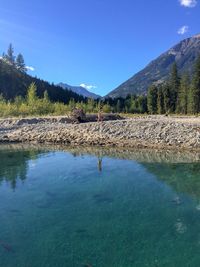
point(14, 82)
point(184, 54)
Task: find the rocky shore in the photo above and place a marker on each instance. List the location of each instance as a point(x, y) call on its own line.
point(139, 132)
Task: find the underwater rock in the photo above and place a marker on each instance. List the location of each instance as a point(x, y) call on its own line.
point(102, 198)
point(81, 231)
point(51, 194)
point(14, 211)
point(180, 227)
point(6, 247)
point(177, 201)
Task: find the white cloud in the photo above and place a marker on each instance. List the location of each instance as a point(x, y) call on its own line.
point(88, 87)
point(188, 3)
point(183, 30)
point(30, 68)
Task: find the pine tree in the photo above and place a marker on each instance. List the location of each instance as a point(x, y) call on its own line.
point(132, 108)
point(142, 104)
point(127, 105)
point(152, 99)
point(160, 101)
point(166, 96)
point(190, 102)
point(194, 93)
point(10, 55)
point(174, 87)
point(182, 101)
point(20, 64)
point(118, 106)
point(4, 55)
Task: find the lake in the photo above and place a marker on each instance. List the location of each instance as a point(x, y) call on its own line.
point(97, 208)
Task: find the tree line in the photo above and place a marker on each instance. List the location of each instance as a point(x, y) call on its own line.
point(180, 94)
point(32, 105)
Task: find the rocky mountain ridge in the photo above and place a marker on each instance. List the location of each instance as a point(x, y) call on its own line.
point(184, 54)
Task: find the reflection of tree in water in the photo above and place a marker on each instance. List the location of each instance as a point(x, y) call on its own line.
point(182, 177)
point(100, 164)
point(14, 165)
point(99, 158)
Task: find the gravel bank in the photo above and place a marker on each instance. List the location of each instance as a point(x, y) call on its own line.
point(140, 132)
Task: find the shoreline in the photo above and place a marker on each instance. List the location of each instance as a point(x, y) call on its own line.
point(139, 155)
point(149, 132)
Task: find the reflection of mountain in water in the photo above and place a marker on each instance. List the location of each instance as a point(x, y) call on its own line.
point(14, 165)
point(182, 177)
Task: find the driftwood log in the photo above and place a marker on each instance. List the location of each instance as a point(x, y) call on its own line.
point(78, 115)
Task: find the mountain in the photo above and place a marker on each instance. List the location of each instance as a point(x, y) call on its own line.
point(15, 83)
point(79, 90)
point(184, 54)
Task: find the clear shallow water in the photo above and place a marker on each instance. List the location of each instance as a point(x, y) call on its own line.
point(61, 209)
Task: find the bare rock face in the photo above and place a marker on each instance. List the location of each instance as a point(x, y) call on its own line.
point(78, 115)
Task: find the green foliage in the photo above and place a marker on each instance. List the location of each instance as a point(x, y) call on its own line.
point(23, 95)
point(194, 93)
point(60, 109)
point(160, 101)
point(177, 95)
point(32, 94)
point(141, 104)
point(182, 101)
point(20, 64)
point(91, 105)
point(118, 107)
point(152, 99)
point(10, 55)
point(133, 105)
point(2, 100)
point(72, 104)
point(106, 108)
point(166, 97)
point(174, 87)
point(46, 96)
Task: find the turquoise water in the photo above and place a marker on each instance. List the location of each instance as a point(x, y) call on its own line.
point(68, 209)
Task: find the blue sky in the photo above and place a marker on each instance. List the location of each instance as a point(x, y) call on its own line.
point(99, 43)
